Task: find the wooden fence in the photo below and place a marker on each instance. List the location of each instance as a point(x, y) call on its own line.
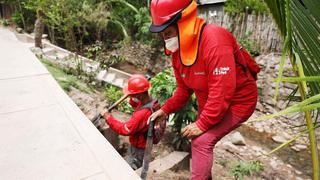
point(258, 28)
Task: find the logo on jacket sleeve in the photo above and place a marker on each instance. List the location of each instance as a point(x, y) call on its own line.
point(126, 128)
point(221, 70)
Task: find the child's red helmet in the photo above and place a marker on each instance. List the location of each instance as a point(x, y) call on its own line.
point(136, 84)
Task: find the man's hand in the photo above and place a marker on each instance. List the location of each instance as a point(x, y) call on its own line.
point(191, 131)
point(158, 116)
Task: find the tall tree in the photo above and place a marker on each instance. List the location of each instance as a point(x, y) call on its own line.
point(38, 29)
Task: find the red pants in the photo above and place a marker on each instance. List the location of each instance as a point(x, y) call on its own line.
point(202, 146)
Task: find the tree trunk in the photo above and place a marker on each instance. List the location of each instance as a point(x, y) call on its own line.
point(38, 31)
point(98, 34)
point(81, 31)
point(71, 42)
point(51, 35)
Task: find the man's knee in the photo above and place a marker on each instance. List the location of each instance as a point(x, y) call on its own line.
point(202, 144)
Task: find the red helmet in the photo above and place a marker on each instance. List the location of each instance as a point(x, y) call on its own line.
point(136, 84)
point(166, 12)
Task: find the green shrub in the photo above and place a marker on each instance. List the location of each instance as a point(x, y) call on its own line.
point(163, 86)
point(142, 23)
point(17, 19)
point(5, 22)
point(249, 46)
point(113, 94)
point(242, 169)
point(125, 107)
point(107, 61)
point(64, 77)
point(94, 50)
point(241, 6)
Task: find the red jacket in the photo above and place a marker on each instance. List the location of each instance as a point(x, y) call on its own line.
point(220, 85)
point(136, 127)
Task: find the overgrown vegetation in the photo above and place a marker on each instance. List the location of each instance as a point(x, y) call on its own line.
point(249, 46)
point(76, 23)
point(4, 22)
point(243, 168)
point(245, 6)
point(113, 94)
point(163, 86)
point(65, 79)
point(71, 79)
point(108, 61)
point(143, 22)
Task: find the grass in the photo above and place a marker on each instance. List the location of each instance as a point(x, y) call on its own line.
point(244, 168)
point(64, 79)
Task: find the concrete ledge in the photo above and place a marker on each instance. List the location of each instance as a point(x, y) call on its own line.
point(176, 160)
point(46, 136)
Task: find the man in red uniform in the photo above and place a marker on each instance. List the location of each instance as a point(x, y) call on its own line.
point(207, 61)
point(136, 127)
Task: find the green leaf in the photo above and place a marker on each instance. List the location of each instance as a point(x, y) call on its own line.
point(295, 79)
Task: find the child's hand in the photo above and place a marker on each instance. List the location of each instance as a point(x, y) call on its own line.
point(105, 114)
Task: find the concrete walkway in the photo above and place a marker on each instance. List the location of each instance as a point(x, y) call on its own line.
point(43, 134)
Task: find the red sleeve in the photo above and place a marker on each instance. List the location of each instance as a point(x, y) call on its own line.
point(221, 86)
point(180, 96)
point(136, 123)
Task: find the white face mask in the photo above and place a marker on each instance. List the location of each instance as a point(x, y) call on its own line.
point(135, 100)
point(172, 44)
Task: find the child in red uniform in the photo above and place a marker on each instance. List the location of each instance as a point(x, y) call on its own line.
point(136, 127)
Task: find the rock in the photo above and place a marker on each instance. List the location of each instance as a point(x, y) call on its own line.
point(273, 164)
point(299, 147)
point(259, 106)
point(298, 172)
point(19, 30)
point(44, 36)
point(267, 129)
point(279, 139)
point(237, 139)
point(228, 146)
point(270, 109)
point(257, 148)
point(261, 130)
point(286, 135)
point(257, 125)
